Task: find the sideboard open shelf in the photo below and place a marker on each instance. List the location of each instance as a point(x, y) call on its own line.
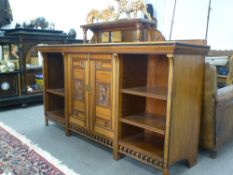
point(54, 95)
point(142, 100)
point(143, 96)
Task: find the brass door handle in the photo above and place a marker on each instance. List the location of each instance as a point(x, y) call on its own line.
point(88, 88)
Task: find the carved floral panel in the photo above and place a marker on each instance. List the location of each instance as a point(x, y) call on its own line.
point(78, 90)
point(103, 94)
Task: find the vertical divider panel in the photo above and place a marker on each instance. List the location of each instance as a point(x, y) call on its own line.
point(168, 111)
point(45, 74)
point(116, 102)
point(66, 95)
point(69, 91)
point(92, 93)
point(87, 90)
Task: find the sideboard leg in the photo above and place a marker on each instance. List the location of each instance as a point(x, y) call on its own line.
point(116, 155)
point(192, 161)
point(213, 154)
point(68, 132)
point(165, 171)
point(46, 122)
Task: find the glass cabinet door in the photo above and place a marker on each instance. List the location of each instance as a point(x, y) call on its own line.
point(9, 58)
point(34, 76)
point(9, 68)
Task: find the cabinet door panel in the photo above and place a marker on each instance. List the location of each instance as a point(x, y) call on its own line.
point(79, 74)
point(79, 104)
point(78, 81)
point(104, 77)
point(8, 85)
point(102, 111)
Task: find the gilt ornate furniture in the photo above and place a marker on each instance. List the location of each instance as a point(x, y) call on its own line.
point(137, 99)
point(123, 30)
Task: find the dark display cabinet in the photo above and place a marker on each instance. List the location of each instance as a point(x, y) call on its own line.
point(21, 79)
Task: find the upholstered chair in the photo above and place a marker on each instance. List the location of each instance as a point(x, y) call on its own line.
point(217, 114)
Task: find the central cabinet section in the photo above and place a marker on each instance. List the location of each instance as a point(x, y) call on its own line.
point(90, 92)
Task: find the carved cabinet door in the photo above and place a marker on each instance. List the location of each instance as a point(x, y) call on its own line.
point(78, 107)
point(91, 94)
point(101, 99)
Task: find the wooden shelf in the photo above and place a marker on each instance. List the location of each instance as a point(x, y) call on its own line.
point(59, 92)
point(58, 113)
point(145, 143)
point(34, 68)
point(152, 92)
point(34, 92)
point(57, 116)
point(147, 121)
point(14, 72)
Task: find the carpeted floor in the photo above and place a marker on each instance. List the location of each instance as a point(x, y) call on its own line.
point(88, 158)
point(18, 156)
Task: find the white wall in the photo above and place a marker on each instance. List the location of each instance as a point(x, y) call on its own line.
point(190, 17)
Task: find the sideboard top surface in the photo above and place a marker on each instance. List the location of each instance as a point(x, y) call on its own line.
point(164, 47)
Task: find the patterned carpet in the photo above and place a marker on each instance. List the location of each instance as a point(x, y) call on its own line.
point(18, 156)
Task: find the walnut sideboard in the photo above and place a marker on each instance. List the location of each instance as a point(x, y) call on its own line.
point(143, 100)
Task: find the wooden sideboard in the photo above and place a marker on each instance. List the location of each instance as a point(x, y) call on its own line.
point(143, 100)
